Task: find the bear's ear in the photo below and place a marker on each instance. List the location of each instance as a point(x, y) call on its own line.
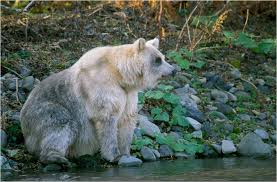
point(140, 43)
point(154, 42)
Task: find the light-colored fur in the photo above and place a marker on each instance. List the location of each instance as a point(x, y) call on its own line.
point(92, 105)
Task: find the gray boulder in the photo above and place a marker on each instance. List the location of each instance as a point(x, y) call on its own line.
point(147, 127)
point(197, 134)
point(5, 166)
point(262, 133)
point(235, 73)
point(195, 124)
point(252, 145)
point(128, 161)
point(228, 147)
point(147, 154)
point(28, 83)
point(244, 117)
point(4, 138)
point(219, 96)
point(165, 151)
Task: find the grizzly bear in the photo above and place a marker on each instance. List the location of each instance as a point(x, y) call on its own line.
point(93, 104)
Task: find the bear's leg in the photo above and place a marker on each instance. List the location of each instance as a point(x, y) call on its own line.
point(55, 145)
point(107, 135)
point(125, 134)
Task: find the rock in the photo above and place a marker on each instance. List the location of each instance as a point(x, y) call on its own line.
point(235, 73)
point(273, 121)
point(4, 138)
point(5, 166)
point(231, 97)
point(177, 67)
point(244, 117)
point(51, 167)
point(176, 135)
point(203, 80)
point(65, 177)
point(197, 134)
point(270, 80)
point(195, 98)
point(224, 108)
point(147, 127)
point(195, 124)
point(233, 90)
point(195, 114)
point(209, 152)
point(264, 89)
point(12, 84)
point(147, 154)
point(260, 82)
point(262, 116)
point(87, 161)
point(217, 148)
point(262, 133)
point(252, 145)
point(228, 147)
point(15, 117)
point(137, 133)
point(217, 115)
point(21, 96)
point(129, 161)
point(183, 155)
point(28, 83)
point(273, 138)
point(219, 96)
point(156, 153)
point(177, 128)
point(228, 128)
point(24, 71)
point(165, 151)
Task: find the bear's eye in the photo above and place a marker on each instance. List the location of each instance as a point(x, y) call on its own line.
point(157, 61)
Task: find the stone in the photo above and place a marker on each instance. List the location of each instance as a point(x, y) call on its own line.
point(24, 71)
point(224, 108)
point(235, 74)
point(219, 96)
point(147, 154)
point(273, 120)
point(244, 117)
point(228, 128)
point(129, 161)
point(233, 90)
point(12, 84)
point(203, 80)
point(183, 155)
point(231, 97)
point(196, 114)
point(217, 115)
point(21, 96)
point(4, 138)
point(209, 152)
point(52, 167)
point(195, 98)
point(252, 145)
point(228, 147)
point(28, 83)
point(5, 166)
point(262, 116)
point(195, 124)
point(176, 135)
point(197, 134)
point(177, 128)
point(273, 138)
point(87, 161)
point(156, 153)
point(148, 127)
point(260, 82)
point(244, 96)
point(262, 133)
point(177, 67)
point(217, 148)
point(137, 133)
point(165, 151)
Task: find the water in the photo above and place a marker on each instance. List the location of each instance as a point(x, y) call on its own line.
point(196, 170)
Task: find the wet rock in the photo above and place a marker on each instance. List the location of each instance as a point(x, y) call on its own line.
point(165, 151)
point(219, 96)
point(217, 148)
point(228, 147)
point(195, 98)
point(252, 145)
point(209, 152)
point(5, 166)
point(156, 153)
point(262, 133)
point(64, 177)
point(244, 117)
point(147, 154)
point(87, 161)
point(52, 167)
point(235, 74)
point(195, 124)
point(4, 138)
point(197, 134)
point(224, 108)
point(137, 133)
point(28, 83)
point(129, 161)
point(24, 71)
point(183, 155)
point(147, 127)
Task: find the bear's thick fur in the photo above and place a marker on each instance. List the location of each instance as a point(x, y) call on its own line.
point(91, 105)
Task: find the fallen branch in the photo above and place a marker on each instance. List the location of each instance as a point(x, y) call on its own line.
point(28, 6)
point(16, 91)
point(245, 23)
point(11, 70)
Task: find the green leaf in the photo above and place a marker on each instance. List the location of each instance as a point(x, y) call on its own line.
point(141, 98)
point(186, 52)
point(159, 115)
point(165, 88)
point(183, 63)
point(245, 41)
point(266, 46)
point(229, 35)
point(199, 64)
point(154, 94)
point(171, 98)
point(139, 143)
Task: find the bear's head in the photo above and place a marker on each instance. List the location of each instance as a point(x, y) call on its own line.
point(145, 64)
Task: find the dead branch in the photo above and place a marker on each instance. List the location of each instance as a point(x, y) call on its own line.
point(29, 6)
point(245, 23)
point(159, 19)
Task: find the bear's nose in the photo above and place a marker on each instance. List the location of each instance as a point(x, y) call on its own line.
point(173, 73)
